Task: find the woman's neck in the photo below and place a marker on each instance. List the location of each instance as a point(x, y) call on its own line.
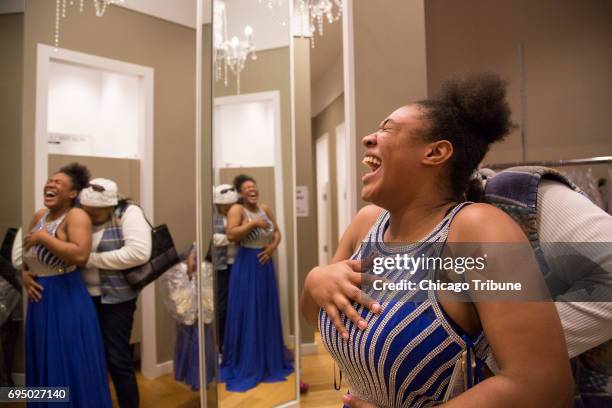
point(251, 207)
point(413, 222)
point(56, 213)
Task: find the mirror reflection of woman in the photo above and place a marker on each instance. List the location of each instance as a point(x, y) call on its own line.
point(62, 337)
point(420, 161)
point(253, 348)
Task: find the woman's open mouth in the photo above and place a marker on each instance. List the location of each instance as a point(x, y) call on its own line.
point(373, 163)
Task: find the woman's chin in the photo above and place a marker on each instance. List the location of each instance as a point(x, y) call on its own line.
point(367, 194)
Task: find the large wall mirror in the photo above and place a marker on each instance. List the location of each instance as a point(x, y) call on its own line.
point(250, 351)
point(112, 88)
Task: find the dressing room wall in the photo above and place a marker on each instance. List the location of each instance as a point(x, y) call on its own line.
point(11, 70)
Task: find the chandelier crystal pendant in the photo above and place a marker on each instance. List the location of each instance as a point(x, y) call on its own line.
point(62, 5)
point(314, 12)
point(230, 54)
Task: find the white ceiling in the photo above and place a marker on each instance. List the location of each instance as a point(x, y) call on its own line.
point(178, 11)
point(270, 25)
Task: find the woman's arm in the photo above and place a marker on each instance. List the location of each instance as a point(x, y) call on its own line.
point(335, 286)
point(75, 250)
point(277, 233)
point(136, 249)
point(236, 230)
point(33, 288)
point(526, 338)
point(266, 254)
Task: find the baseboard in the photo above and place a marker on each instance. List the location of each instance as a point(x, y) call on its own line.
point(19, 379)
point(166, 368)
point(160, 369)
point(307, 349)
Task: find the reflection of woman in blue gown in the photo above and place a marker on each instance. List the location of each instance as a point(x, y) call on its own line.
point(253, 347)
point(62, 336)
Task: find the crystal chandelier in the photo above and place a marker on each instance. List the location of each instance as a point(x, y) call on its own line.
point(230, 54)
point(62, 5)
point(314, 12)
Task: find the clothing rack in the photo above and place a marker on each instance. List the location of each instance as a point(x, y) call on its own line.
point(553, 163)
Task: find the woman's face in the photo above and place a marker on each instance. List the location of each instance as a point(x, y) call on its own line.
point(99, 215)
point(249, 192)
point(393, 155)
point(59, 191)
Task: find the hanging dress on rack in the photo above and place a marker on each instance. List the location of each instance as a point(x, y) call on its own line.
point(63, 340)
point(253, 347)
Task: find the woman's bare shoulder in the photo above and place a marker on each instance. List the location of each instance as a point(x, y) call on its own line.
point(363, 221)
point(482, 222)
point(79, 215)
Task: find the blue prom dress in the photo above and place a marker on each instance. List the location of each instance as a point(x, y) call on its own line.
point(253, 347)
point(63, 341)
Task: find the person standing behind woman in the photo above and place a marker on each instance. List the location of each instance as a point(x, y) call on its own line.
point(253, 348)
point(62, 336)
point(222, 251)
point(121, 240)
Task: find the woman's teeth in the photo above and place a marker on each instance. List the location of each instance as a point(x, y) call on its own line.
point(372, 162)
point(50, 194)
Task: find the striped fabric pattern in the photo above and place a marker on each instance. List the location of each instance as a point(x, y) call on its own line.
point(407, 355)
point(115, 288)
point(44, 255)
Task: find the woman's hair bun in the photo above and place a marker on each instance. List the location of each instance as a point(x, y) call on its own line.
point(78, 173)
point(480, 101)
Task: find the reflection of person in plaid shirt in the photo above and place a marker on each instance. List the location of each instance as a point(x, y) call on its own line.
point(551, 209)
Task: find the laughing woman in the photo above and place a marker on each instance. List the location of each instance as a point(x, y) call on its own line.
point(253, 347)
point(62, 338)
point(405, 354)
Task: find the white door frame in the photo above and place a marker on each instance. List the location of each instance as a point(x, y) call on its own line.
point(350, 117)
point(283, 268)
point(323, 206)
point(343, 203)
point(45, 55)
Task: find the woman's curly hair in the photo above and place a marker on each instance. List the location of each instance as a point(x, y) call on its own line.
point(78, 173)
point(472, 113)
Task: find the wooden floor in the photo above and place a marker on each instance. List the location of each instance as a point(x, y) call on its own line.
point(317, 371)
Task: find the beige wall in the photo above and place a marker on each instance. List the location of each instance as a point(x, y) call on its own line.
point(170, 50)
point(326, 122)
point(11, 76)
point(390, 63)
point(567, 60)
point(11, 80)
point(271, 71)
